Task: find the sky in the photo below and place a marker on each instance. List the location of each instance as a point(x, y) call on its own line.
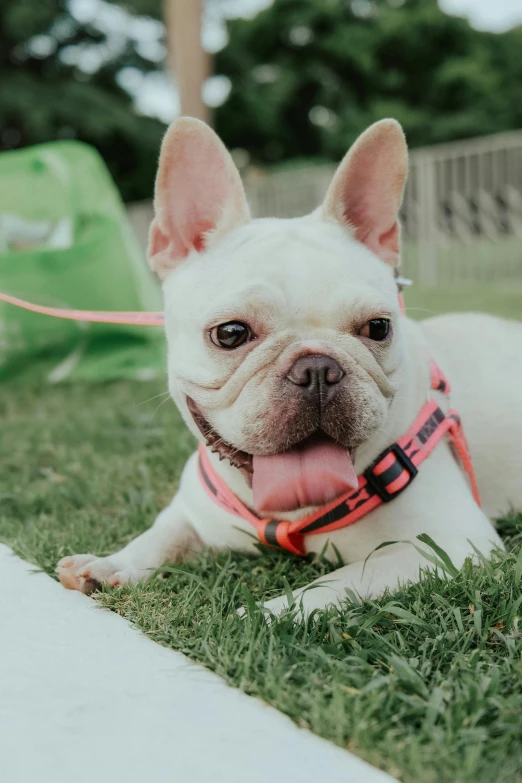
point(497, 15)
point(155, 95)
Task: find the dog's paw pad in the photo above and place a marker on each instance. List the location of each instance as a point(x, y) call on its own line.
point(118, 579)
point(87, 573)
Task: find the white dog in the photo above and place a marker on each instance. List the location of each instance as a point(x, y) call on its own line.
point(290, 358)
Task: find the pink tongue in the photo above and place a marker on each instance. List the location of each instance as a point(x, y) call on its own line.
point(311, 474)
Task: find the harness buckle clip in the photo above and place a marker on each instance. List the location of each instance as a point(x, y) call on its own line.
point(376, 482)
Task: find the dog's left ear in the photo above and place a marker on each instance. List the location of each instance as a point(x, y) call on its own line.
point(199, 195)
point(367, 189)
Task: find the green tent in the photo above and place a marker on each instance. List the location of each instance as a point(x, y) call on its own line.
point(65, 242)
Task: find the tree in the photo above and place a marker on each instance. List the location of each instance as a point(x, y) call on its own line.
point(45, 96)
point(308, 77)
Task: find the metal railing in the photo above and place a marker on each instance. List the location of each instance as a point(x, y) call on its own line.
point(461, 216)
point(462, 211)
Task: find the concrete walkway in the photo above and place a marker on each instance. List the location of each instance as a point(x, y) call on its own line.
point(84, 697)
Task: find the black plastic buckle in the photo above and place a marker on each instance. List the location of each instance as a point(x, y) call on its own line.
point(376, 482)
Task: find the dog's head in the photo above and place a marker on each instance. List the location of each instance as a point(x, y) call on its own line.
point(283, 335)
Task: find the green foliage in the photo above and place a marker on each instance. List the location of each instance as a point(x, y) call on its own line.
point(358, 62)
point(306, 77)
point(42, 98)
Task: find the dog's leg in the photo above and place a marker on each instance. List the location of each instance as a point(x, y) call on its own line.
point(170, 539)
point(387, 568)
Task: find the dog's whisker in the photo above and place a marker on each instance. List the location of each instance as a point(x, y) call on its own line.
point(159, 406)
point(156, 396)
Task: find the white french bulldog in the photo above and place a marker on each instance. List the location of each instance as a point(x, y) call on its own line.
point(290, 357)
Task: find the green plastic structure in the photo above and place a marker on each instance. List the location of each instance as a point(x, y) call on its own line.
point(65, 241)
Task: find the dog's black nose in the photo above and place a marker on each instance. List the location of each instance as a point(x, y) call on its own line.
point(317, 377)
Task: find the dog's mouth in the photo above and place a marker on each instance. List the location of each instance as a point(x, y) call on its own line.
point(312, 473)
point(239, 459)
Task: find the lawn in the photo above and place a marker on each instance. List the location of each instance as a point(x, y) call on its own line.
point(498, 299)
point(426, 683)
point(482, 276)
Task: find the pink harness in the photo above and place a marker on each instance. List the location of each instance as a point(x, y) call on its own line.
point(390, 474)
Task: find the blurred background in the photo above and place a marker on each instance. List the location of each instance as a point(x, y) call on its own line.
point(288, 85)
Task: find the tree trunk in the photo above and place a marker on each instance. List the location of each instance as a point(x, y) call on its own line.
point(188, 63)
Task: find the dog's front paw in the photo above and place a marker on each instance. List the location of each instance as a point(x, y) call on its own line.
point(86, 573)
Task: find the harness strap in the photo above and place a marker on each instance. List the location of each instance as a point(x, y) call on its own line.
point(439, 382)
point(461, 448)
point(389, 475)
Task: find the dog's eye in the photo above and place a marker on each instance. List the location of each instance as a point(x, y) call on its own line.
point(231, 335)
point(377, 329)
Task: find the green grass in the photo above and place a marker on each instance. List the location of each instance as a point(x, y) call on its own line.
point(426, 683)
point(481, 275)
point(499, 300)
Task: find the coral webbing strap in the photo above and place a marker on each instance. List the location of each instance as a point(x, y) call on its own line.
point(96, 316)
point(389, 475)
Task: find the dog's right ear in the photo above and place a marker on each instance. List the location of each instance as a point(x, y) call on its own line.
point(199, 195)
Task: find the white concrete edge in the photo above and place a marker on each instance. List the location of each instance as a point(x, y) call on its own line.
point(85, 697)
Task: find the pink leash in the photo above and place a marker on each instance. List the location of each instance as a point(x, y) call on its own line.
point(107, 317)
point(96, 316)
point(135, 318)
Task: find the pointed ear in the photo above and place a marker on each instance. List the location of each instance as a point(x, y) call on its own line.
point(199, 195)
point(367, 189)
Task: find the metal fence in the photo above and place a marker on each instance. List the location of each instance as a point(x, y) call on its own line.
point(461, 216)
